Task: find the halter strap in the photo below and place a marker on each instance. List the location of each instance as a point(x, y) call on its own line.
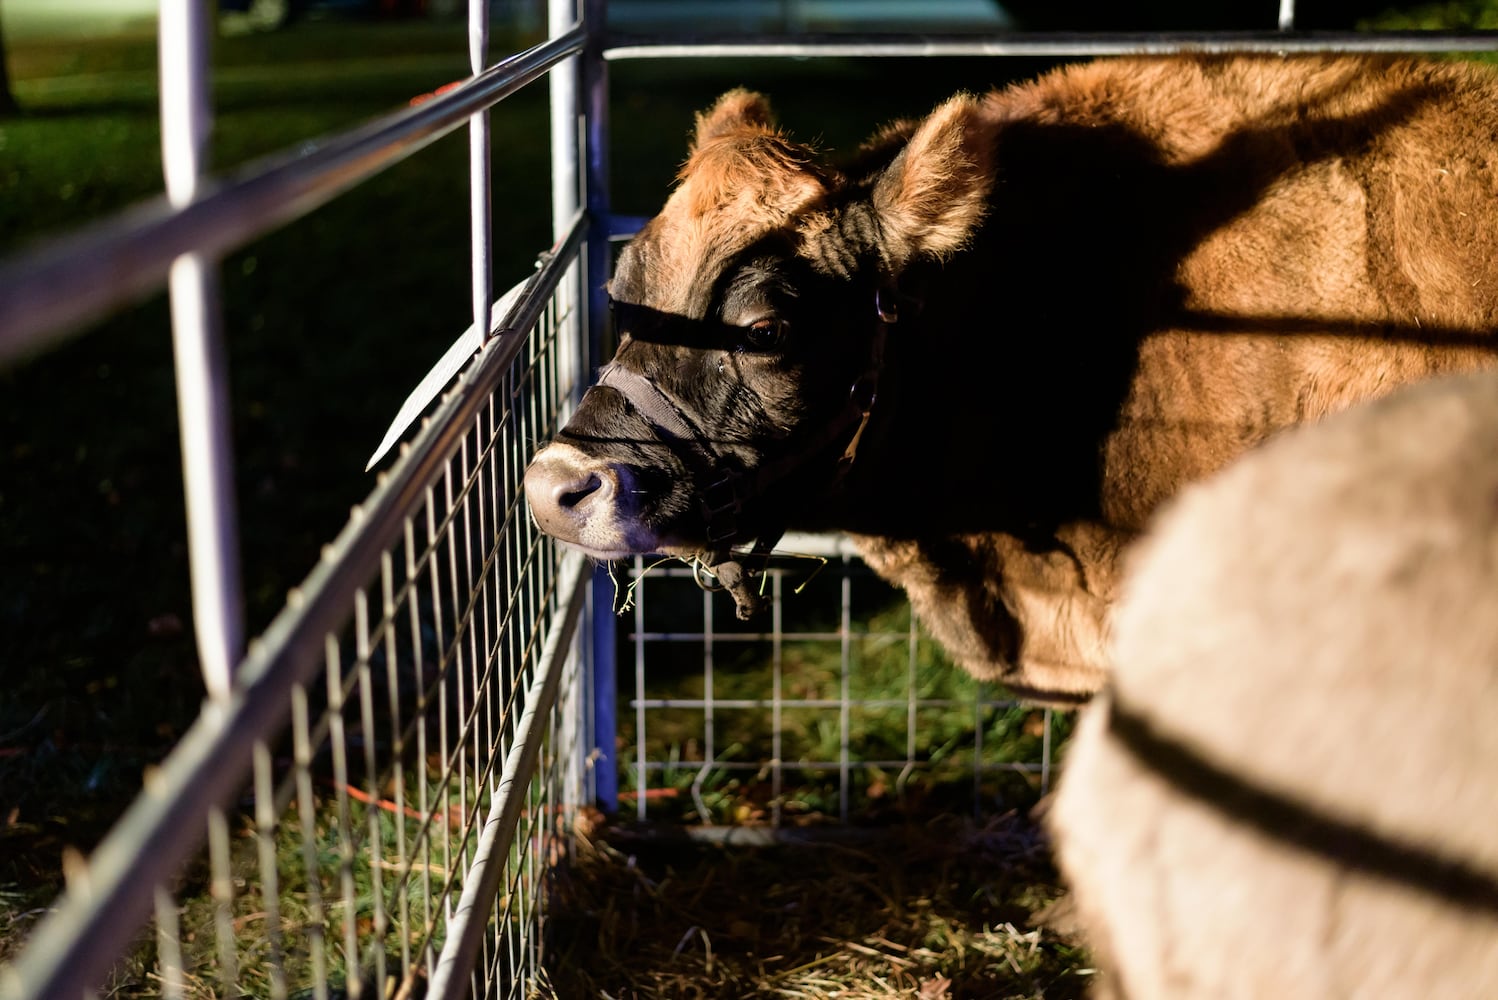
point(729, 488)
point(663, 412)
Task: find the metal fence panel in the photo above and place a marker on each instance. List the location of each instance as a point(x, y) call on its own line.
point(397, 765)
point(835, 707)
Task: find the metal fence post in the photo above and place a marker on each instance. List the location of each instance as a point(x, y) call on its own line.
point(201, 356)
point(596, 185)
point(566, 201)
point(478, 171)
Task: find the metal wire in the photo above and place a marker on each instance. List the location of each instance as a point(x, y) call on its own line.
point(796, 739)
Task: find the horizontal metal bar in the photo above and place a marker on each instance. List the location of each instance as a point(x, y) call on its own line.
point(47, 292)
point(760, 636)
point(828, 545)
point(210, 763)
point(825, 765)
point(1056, 45)
point(466, 926)
point(822, 703)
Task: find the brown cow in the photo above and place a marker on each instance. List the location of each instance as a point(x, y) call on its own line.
point(992, 349)
point(1290, 787)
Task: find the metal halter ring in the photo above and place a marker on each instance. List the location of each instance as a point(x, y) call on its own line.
point(865, 392)
point(710, 581)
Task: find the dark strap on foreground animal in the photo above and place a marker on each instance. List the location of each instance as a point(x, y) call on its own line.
point(731, 488)
point(1300, 824)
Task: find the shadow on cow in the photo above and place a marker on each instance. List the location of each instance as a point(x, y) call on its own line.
point(996, 342)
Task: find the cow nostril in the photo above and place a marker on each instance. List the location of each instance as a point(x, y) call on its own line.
point(570, 498)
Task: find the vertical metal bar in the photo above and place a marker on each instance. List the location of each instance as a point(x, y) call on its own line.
point(709, 739)
point(478, 172)
point(642, 773)
point(566, 198)
point(566, 149)
point(596, 186)
point(500, 829)
point(348, 903)
point(912, 692)
point(266, 826)
point(844, 706)
point(388, 612)
point(1045, 755)
point(423, 710)
point(221, 890)
point(374, 851)
point(317, 925)
point(168, 945)
point(1287, 15)
point(200, 356)
point(777, 696)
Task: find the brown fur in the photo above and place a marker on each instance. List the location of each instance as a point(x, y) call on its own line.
point(1391, 235)
point(1288, 789)
point(1118, 278)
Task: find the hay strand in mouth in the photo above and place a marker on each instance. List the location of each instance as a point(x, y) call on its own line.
point(624, 593)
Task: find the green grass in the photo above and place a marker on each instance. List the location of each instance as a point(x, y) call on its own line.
point(1453, 15)
point(733, 783)
point(356, 882)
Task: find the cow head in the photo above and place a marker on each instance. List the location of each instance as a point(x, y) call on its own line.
point(749, 319)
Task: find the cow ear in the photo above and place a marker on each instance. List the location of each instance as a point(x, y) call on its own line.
point(932, 196)
point(735, 111)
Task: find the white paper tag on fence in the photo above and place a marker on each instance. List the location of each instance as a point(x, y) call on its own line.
point(445, 369)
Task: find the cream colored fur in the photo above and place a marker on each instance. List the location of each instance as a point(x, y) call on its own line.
point(1313, 635)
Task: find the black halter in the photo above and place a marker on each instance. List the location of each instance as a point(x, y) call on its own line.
point(731, 488)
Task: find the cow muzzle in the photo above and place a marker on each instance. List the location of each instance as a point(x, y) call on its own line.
point(576, 499)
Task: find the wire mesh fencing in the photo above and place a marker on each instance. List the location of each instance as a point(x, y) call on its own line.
point(835, 707)
point(397, 767)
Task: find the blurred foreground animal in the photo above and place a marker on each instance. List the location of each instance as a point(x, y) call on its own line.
point(995, 344)
point(1290, 788)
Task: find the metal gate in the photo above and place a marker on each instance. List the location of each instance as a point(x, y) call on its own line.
point(378, 786)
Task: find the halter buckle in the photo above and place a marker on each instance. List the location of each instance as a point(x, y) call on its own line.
point(721, 506)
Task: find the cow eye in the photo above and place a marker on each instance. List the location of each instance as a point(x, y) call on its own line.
point(767, 333)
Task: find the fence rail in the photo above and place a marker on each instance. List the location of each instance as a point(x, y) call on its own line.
point(1056, 45)
point(45, 294)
